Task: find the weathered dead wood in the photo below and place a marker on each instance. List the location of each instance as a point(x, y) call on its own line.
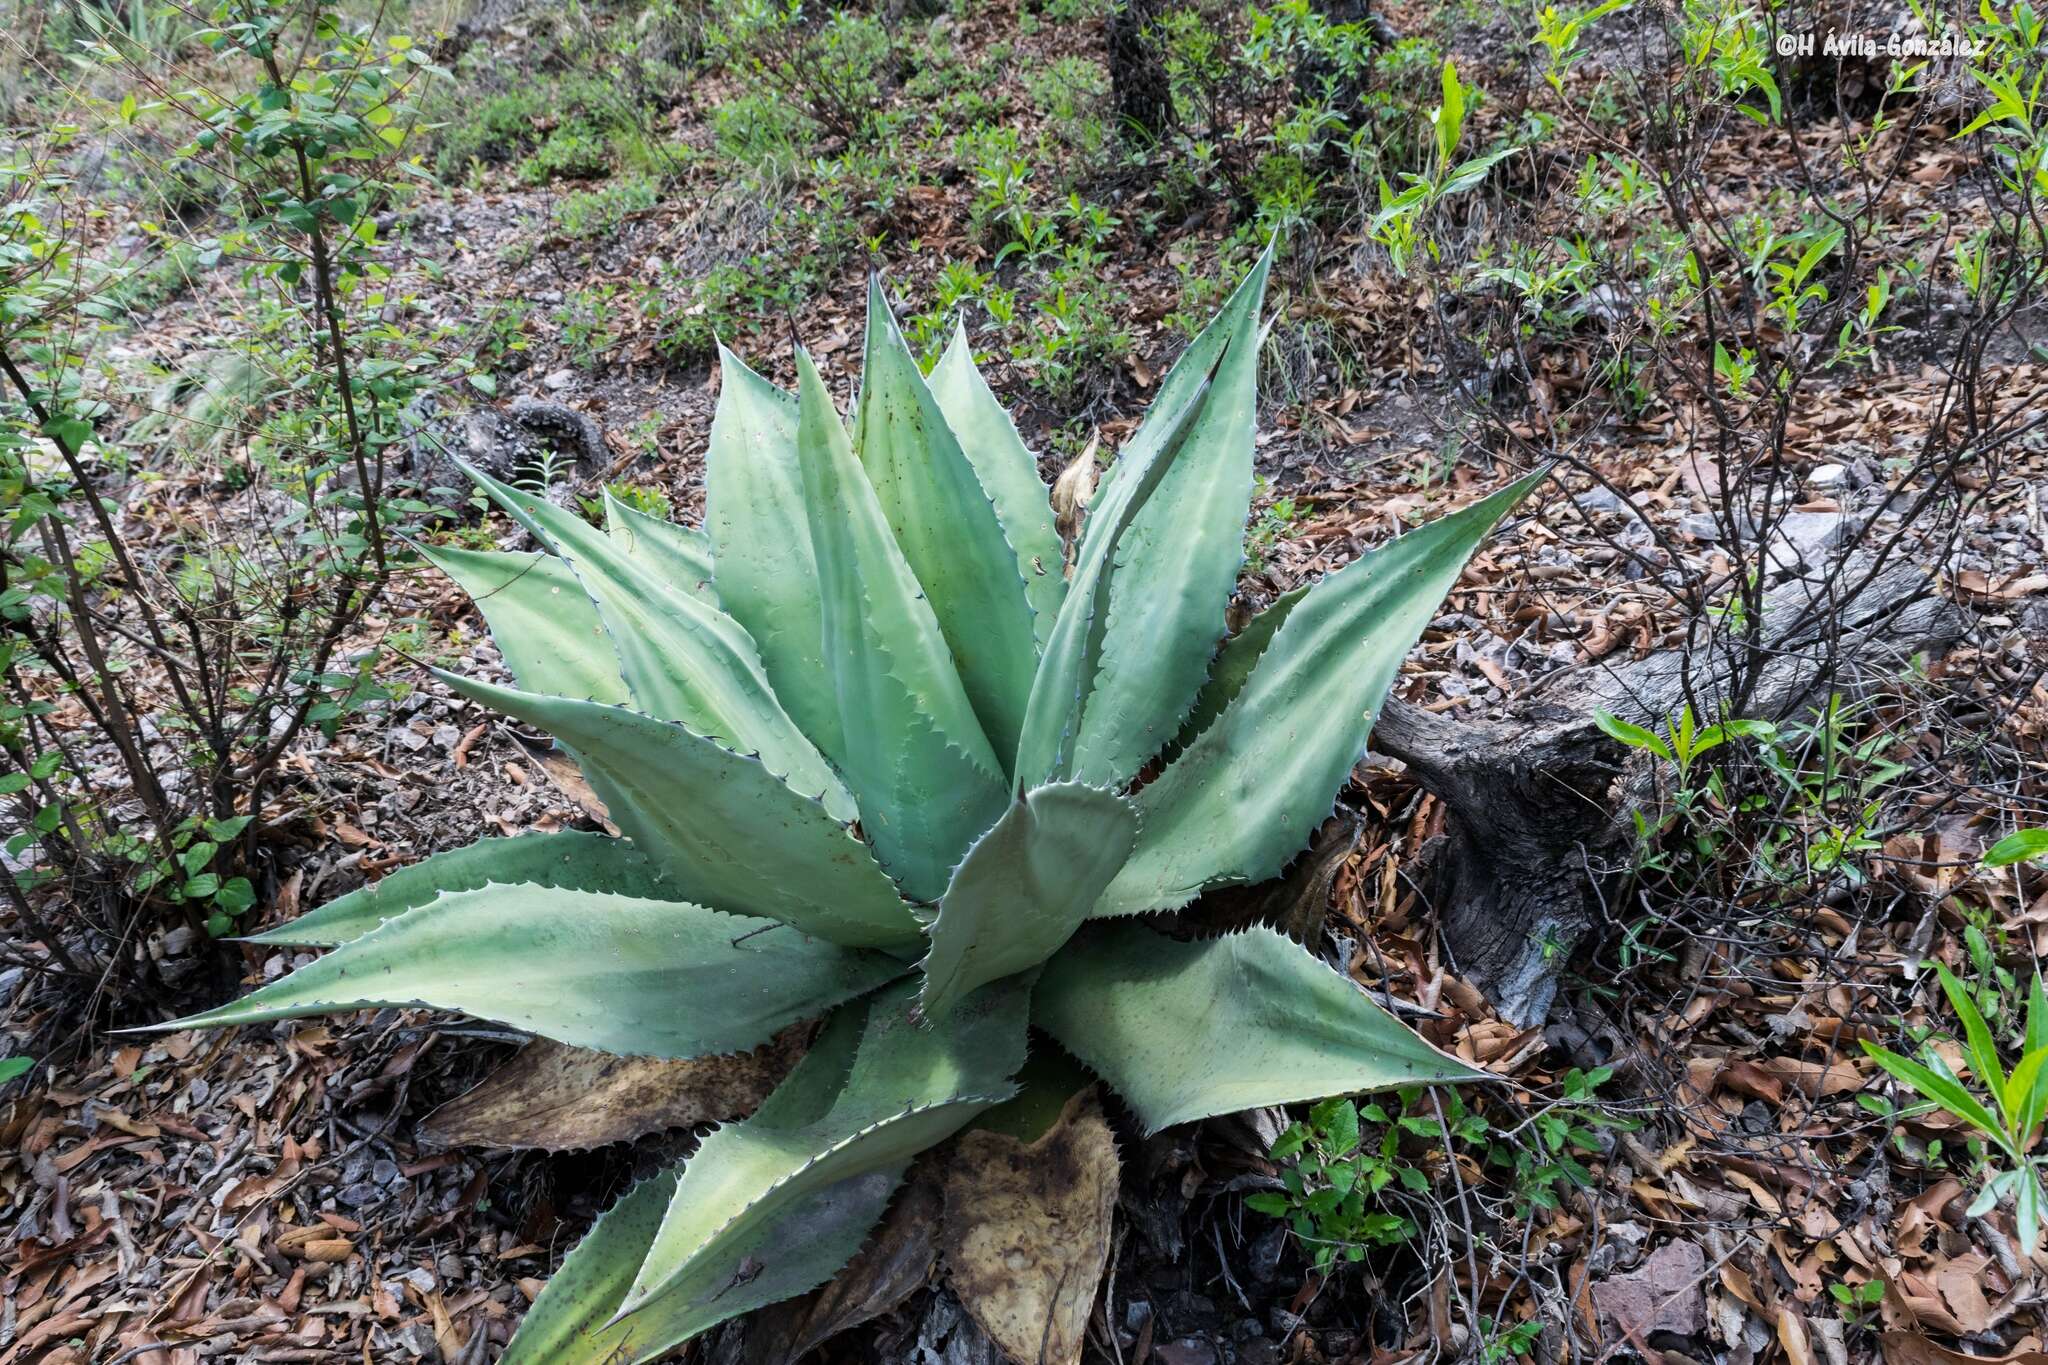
point(1539, 797)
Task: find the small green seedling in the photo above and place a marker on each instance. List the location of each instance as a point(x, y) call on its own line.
point(2004, 1108)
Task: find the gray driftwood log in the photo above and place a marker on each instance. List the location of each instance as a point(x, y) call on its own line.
point(1538, 796)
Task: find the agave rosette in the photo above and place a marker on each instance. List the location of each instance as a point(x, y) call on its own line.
point(875, 750)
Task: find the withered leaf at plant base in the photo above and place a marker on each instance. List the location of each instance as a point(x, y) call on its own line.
point(1026, 1233)
point(561, 1098)
point(896, 1262)
point(1910, 1348)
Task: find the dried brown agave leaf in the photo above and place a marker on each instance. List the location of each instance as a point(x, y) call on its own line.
point(1026, 1233)
point(559, 1098)
point(1072, 492)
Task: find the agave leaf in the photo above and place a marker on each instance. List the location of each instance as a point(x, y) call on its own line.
point(947, 526)
point(1049, 1079)
point(568, 861)
point(1074, 648)
point(614, 973)
point(684, 660)
point(1233, 666)
point(1010, 475)
point(577, 1321)
point(1188, 1030)
point(1241, 800)
point(565, 1325)
point(729, 833)
point(908, 1088)
point(762, 564)
point(1024, 887)
point(1178, 562)
point(673, 554)
point(915, 753)
point(571, 1323)
point(542, 621)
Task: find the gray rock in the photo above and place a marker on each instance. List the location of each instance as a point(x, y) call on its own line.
point(1803, 539)
point(1700, 526)
point(359, 1194)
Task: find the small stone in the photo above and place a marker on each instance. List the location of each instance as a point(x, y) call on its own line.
point(1828, 476)
point(1700, 526)
point(558, 380)
point(1186, 1351)
point(359, 1194)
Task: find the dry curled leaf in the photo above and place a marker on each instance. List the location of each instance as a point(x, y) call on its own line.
point(1071, 492)
point(560, 1098)
point(1910, 1348)
point(1026, 1232)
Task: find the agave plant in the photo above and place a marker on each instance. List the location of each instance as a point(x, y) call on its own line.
point(879, 752)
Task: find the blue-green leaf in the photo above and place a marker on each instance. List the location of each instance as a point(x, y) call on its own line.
point(913, 749)
point(569, 861)
point(1242, 798)
point(1185, 1030)
point(728, 832)
point(1024, 888)
point(614, 973)
point(1177, 565)
point(762, 564)
point(946, 525)
point(1010, 475)
point(544, 624)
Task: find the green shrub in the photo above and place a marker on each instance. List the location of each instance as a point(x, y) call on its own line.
point(573, 151)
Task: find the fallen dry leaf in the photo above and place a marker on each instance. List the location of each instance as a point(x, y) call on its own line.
point(1910, 1348)
point(1666, 1293)
point(561, 1098)
point(1026, 1232)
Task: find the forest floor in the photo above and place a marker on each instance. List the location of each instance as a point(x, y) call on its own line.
point(270, 1193)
